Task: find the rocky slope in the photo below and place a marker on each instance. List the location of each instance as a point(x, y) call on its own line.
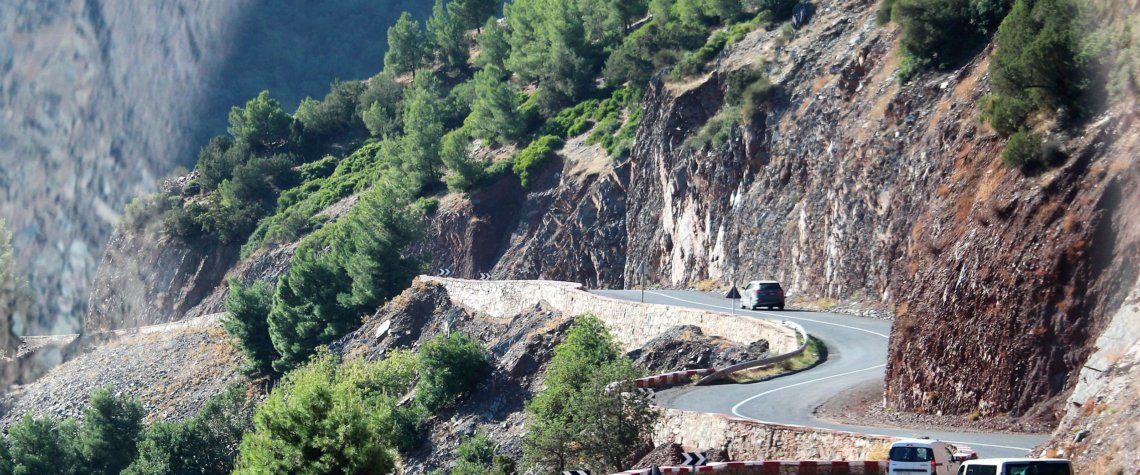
point(846, 184)
point(1099, 428)
point(172, 371)
point(850, 183)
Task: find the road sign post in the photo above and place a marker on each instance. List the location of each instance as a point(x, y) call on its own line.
point(732, 295)
point(695, 459)
point(641, 280)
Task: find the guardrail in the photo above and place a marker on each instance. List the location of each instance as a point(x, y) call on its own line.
point(801, 334)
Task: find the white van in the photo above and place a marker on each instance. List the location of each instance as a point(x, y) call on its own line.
point(1016, 467)
point(926, 457)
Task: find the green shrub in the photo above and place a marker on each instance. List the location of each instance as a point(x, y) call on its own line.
point(717, 131)
point(534, 156)
point(203, 445)
point(315, 421)
point(580, 419)
point(1024, 151)
point(756, 96)
point(450, 368)
point(45, 446)
point(247, 313)
point(426, 206)
point(147, 209)
point(780, 10)
point(1038, 65)
point(940, 33)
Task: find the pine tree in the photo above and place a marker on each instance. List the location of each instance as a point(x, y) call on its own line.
point(261, 123)
point(112, 427)
point(472, 13)
point(455, 152)
point(493, 46)
point(406, 46)
point(423, 128)
point(494, 113)
point(449, 37)
point(247, 319)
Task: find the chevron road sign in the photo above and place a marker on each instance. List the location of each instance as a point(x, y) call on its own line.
point(576, 472)
point(484, 276)
point(444, 272)
point(695, 458)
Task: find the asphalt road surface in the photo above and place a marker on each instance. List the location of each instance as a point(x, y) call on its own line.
point(857, 354)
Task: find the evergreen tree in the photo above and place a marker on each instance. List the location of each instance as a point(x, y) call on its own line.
point(455, 152)
point(247, 319)
point(493, 46)
point(494, 113)
point(471, 13)
point(1038, 64)
point(15, 306)
point(315, 422)
point(306, 310)
point(548, 46)
point(406, 46)
point(588, 407)
point(261, 123)
point(342, 272)
point(448, 36)
point(43, 446)
point(110, 433)
point(450, 368)
point(380, 105)
point(423, 129)
point(203, 445)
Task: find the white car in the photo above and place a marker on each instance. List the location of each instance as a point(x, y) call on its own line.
point(927, 457)
point(1016, 467)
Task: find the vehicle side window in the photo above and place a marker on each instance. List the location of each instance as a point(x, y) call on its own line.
point(980, 470)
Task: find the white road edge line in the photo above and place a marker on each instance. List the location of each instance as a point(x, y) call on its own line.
point(736, 408)
point(765, 393)
point(785, 317)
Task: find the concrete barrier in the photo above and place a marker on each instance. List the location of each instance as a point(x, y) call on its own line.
point(671, 379)
point(746, 439)
point(632, 323)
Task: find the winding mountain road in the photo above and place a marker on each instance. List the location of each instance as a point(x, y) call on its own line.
point(857, 355)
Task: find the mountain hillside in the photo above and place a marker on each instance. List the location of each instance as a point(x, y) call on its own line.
point(101, 98)
point(691, 144)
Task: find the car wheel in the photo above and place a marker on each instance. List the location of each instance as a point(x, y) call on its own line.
point(781, 307)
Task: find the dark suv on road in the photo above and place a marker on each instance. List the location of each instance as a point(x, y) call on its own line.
point(763, 293)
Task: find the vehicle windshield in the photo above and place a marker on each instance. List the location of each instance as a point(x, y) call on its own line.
point(1037, 468)
point(979, 470)
point(770, 286)
point(911, 454)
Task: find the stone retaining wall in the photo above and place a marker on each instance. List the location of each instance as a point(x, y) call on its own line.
point(745, 439)
point(632, 323)
point(783, 467)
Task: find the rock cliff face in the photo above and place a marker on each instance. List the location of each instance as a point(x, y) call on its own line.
point(850, 183)
point(90, 120)
point(147, 279)
point(568, 226)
